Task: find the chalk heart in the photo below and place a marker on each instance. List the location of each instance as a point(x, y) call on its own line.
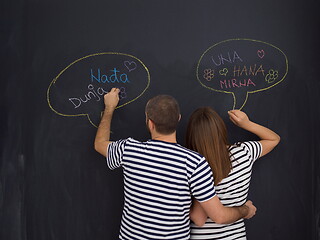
point(223, 72)
point(130, 65)
point(260, 53)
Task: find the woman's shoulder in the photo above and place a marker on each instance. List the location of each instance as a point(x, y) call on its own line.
point(241, 149)
point(246, 145)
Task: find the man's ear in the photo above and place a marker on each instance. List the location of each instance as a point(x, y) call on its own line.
point(151, 124)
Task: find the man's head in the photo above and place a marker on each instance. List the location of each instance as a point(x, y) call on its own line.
point(164, 112)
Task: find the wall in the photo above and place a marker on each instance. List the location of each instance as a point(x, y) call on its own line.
point(53, 185)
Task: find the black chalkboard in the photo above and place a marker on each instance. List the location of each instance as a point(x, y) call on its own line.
point(59, 57)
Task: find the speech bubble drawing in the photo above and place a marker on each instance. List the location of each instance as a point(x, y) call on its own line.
point(241, 66)
point(79, 88)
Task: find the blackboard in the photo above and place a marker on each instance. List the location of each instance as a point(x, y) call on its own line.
point(58, 58)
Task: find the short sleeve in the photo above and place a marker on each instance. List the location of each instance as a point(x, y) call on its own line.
point(254, 148)
point(201, 182)
point(115, 154)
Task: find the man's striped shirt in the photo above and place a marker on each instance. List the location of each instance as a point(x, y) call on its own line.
point(159, 179)
point(232, 191)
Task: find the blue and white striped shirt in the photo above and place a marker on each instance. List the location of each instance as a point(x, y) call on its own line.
point(159, 179)
point(232, 191)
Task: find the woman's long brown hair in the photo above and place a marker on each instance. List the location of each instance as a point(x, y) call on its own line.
point(207, 135)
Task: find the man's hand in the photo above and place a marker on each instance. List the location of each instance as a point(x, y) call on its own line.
point(111, 99)
point(252, 209)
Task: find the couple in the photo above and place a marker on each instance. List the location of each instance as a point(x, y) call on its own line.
point(166, 185)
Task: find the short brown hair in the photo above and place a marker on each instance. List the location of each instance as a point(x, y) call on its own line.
point(164, 111)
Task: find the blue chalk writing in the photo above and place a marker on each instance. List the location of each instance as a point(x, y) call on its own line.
point(115, 77)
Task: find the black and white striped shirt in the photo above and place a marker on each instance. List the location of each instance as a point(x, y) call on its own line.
point(159, 179)
point(232, 191)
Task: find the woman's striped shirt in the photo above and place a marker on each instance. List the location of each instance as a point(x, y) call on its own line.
point(232, 191)
point(159, 179)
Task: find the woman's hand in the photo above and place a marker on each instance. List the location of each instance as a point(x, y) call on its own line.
point(239, 118)
point(268, 138)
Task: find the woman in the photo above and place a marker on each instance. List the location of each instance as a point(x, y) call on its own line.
point(231, 166)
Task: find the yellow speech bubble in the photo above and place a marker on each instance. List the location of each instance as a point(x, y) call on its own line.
point(241, 66)
point(79, 88)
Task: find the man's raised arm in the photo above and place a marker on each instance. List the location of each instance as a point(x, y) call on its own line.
point(102, 139)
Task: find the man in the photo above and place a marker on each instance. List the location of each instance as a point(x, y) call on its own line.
point(160, 176)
